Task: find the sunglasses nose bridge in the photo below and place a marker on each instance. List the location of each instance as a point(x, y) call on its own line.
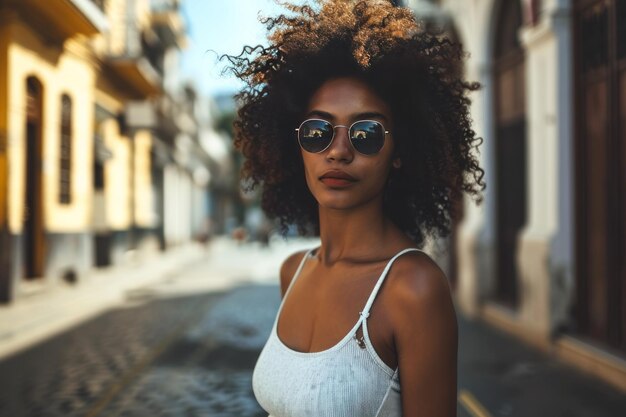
point(336, 134)
point(340, 147)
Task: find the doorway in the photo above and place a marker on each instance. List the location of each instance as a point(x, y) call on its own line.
point(33, 233)
point(600, 56)
point(510, 148)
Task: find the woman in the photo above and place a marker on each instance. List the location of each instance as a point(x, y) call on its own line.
point(356, 123)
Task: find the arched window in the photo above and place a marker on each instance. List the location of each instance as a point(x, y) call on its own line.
point(65, 154)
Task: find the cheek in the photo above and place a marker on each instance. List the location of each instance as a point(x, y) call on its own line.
point(379, 176)
point(379, 170)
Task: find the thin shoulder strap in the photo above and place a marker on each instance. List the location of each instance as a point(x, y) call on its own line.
point(366, 310)
point(297, 273)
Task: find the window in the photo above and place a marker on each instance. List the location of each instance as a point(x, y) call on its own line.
point(65, 163)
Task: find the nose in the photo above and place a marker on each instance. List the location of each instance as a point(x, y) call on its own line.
point(340, 149)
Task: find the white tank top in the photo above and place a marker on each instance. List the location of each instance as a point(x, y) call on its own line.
point(342, 381)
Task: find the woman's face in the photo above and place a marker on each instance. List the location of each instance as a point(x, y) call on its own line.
point(342, 101)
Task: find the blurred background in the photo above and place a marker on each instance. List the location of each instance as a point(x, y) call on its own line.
point(136, 278)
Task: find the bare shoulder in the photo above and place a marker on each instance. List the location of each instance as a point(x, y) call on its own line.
point(288, 269)
point(418, 287)
point(423, 320)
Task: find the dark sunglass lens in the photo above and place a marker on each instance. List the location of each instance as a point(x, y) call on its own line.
point(315, 135)
point(367, 137)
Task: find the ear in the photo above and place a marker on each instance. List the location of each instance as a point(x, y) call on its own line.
point(397, 163)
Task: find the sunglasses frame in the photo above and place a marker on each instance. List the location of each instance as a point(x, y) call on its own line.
point(385, 133)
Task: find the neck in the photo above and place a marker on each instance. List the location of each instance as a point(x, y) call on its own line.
point(353, 234)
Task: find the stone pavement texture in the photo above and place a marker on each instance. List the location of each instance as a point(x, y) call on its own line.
point(209, 369)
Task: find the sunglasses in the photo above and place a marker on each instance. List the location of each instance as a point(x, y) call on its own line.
point(366, 136)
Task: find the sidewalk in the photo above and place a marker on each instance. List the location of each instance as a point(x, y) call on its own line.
point(501, 376)
point(39, 316)
point(36, 317)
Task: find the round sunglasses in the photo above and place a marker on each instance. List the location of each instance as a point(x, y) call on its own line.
point(366, 136)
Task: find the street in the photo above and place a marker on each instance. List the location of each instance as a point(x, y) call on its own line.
point(185, 355)
point(182, 347)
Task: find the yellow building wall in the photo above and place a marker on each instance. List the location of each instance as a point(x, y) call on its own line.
point(120, 189)
point(117, 177)
point(143, 13)
point(4, 40)
point(70, 70)
point(144, 198)
point(116, 12)
point(115, 41)
point(60, 72)
point(119, 180)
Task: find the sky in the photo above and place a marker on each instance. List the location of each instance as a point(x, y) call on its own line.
point(216, 27)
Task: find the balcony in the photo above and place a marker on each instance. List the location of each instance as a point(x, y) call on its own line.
point(135, 62)
point(168, 23)
point(137, 73)
point(65, 18)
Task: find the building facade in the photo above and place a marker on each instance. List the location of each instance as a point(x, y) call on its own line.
point(91, 124)
point(544, 257)
point(47, 75)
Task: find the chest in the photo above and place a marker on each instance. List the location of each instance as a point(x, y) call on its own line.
point(323, 306)
point(343, 382)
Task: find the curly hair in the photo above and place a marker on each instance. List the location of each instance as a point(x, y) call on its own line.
point(415, 71)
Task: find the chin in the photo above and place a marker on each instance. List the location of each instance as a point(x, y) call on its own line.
point(341, 200)
point(337, 205)
point(335, 200)
point(345, 199)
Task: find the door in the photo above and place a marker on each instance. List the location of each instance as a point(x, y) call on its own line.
point(600, 32)
point(510, 148)
point(33, 233)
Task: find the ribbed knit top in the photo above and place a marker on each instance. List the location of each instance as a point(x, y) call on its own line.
point(345, 380)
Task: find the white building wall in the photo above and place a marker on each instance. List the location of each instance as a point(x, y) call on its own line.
point(562, 248)
point(177, 205)
point(532, 257)
point(473, 23)
point(545, 255)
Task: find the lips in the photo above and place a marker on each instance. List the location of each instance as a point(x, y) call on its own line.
point(337, 179)
point(341, 175)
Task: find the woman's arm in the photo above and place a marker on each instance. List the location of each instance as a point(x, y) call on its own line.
point(426, 337)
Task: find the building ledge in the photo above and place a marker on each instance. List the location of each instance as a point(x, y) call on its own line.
point(137, 73)
point(592, 359)
point(508, 321)
point(68, 17)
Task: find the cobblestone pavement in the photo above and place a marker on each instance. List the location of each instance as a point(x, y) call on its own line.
point(207, 371)
point(180, 356)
